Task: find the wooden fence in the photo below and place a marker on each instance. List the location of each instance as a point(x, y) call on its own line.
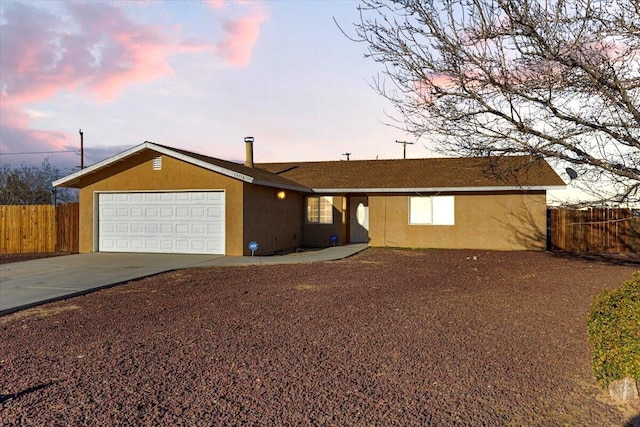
point(47, 228)
point(594, 231)
point(68, 228)
point(39, 228)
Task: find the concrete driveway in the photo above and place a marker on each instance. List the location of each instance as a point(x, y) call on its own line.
point(28, 283)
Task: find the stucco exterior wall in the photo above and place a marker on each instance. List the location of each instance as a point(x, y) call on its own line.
point(507, 221)
point(136, 173)
point(275, 224)
point(320, 234)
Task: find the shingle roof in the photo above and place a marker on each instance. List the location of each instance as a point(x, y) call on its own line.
point(458, 172)
point(437, 174)
point(258, 174)
point(231, 169)
point(507, 171)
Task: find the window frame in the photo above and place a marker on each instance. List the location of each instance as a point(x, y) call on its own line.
point(324, 203)
point(441, 210)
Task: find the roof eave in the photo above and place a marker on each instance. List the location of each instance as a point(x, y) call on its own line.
point(441, 189)
point(282, 186)
point(94, 167)
point(151, 146)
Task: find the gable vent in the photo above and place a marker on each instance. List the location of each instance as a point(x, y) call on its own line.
point(157, 163)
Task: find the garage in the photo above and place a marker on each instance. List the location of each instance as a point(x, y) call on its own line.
point(186, 222)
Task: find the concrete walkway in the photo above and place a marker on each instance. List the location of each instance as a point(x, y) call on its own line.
point(29, 283)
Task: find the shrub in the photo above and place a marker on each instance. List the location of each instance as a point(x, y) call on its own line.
point(614, 332)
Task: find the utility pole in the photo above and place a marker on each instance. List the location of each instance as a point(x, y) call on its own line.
point(404, 148)
point(346, 154)
point(81, 150)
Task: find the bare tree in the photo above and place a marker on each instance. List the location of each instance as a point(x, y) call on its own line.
point(557, 78)
point(31, 185)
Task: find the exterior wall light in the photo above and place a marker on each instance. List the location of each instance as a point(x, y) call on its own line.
point(281, 195)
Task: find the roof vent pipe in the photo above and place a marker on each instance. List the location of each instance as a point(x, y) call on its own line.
point(248, 142)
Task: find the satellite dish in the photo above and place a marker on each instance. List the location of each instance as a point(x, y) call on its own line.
point(572, 174)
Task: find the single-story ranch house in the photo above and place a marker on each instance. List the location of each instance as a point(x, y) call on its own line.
point(154, 198)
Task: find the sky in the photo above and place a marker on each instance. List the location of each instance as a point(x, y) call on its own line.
point(196, 75)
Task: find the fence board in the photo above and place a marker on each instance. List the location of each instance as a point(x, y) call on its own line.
point(68, 227)
point(37, 228)
point(594, 230)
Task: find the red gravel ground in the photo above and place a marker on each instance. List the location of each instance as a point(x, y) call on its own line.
point(7, 258)
point(387, 337)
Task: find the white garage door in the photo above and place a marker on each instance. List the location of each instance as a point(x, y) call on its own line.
point(180, 222)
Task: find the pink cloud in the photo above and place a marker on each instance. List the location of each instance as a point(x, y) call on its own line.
point(15, 122)
point(241, 37)
point(16, 137)
point(121, 52)
point(40, 58)
point(106, 53)
point(62, 148)
point(215, 4)
point(93, 48)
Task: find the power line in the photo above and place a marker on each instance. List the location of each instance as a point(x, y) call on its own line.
point(38, 152)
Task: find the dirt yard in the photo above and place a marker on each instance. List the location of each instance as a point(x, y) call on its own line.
point(8, 258)
point(387, 337)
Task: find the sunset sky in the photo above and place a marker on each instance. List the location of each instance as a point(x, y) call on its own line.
point(194, 75)
point(198, 75)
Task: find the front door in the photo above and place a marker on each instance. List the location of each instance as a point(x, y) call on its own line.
point(359, 219)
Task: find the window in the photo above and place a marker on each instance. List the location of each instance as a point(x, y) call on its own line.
point(320, 210)
point(436, 210)
point(420, 210)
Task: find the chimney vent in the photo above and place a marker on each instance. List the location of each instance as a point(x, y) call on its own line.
point(248, 141)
